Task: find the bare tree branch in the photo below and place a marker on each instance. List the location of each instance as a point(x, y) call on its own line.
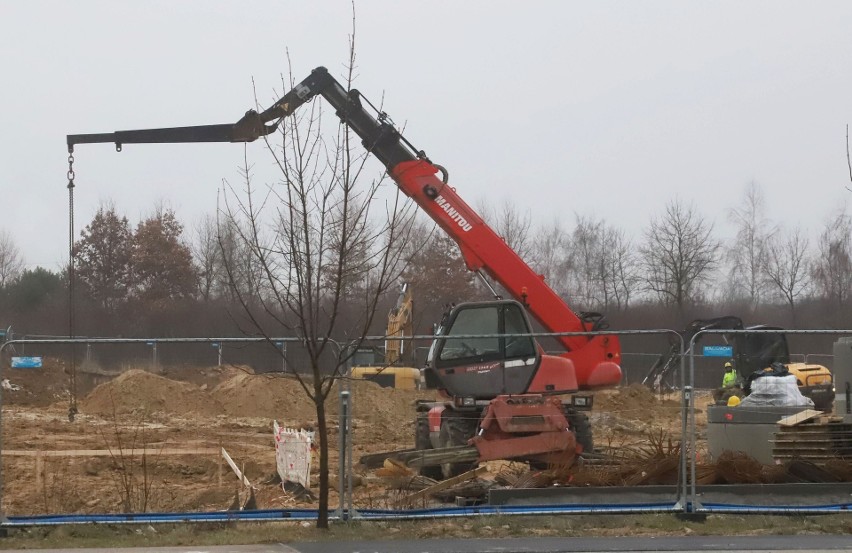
point(11, 262)
point(679, 255)
point(748, 253)
point(787, 267)
point(328, 242)
point(848, 158)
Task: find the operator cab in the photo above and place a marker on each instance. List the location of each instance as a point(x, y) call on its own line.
point(483, 367)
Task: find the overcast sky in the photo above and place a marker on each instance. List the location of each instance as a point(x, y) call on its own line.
point(599, 108)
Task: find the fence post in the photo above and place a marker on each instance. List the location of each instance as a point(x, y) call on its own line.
point(282, 348)
point(153, 344)
point(2, 511)
point(684, 437)
point(343, 423)
point(218, 346)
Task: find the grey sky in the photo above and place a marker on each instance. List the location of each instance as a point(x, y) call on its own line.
point(604, 108)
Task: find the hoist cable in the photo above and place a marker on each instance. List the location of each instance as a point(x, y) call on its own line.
point(72, 373)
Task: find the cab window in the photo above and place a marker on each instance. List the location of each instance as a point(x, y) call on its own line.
point(515, 323)
point(480, 320)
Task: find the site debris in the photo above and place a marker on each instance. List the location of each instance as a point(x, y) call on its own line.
point(153, 441)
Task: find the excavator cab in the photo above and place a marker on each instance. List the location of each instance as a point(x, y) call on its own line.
point(757, 352)
point(471, 360)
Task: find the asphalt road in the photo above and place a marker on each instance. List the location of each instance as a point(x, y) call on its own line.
point(690, 544)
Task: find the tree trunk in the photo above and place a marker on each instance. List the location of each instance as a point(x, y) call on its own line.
point(322, 430)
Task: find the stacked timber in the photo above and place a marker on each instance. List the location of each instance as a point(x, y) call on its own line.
point(819, 440)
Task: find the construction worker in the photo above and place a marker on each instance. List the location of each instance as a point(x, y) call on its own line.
point(730, 378)
point(730, 385)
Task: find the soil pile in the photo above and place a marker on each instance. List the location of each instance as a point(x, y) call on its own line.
point(387, 412)
point(205, 377)
point(141, 391)
point(267, 396)
point(36, 387)
point(635, 401)
point(46, 385)
point(633, 410)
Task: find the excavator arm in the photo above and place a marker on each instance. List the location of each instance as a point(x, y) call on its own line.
point(482, 248)
point(399, 326)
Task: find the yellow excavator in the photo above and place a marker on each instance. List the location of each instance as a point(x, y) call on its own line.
point(387, 369)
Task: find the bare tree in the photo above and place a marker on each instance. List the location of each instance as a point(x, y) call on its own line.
point(437, 274)
point(323, 226)
point(239, 276)
point(207, 255)
point(848, 157)
point(832, 268)
point(679, 255)
point(787, 267)
point(622, 275)
point(11, 262)
point(512, 225)
point(590, 269)
point(551, 255)
point(748, 253)
point(594, 266)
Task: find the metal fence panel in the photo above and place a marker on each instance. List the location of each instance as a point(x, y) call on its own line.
point(155, 415)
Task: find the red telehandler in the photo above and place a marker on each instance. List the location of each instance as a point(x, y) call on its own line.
point(502, 392)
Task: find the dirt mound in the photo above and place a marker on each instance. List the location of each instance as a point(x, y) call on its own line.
point(137, 390)
point(205, 377)
point(633, 400)
point(632, 410)
point(382, 414)
point(387, 412)
point(36, 387)
point(268, 396)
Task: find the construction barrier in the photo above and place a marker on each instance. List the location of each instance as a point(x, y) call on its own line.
point(293, 454)
point(151, 431)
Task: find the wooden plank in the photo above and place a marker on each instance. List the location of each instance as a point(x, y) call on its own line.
point(813, 438)
point(108, 453)
point(800, 417)
point(811, 428)
point(435, 457)
point(810, 457)
point(240, 476)
point(376, 460)
point(444, 484)
point(804, 447)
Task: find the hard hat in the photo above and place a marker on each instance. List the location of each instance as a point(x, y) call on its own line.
point(728, 364)
point(733, 401)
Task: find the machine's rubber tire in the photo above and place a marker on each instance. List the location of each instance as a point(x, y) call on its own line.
point(456, 429)
point(582, 428)
point(422, 441)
